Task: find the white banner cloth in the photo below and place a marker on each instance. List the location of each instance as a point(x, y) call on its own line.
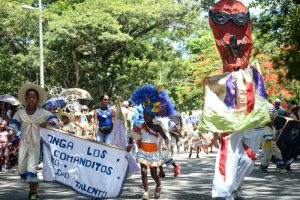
point(90, 168)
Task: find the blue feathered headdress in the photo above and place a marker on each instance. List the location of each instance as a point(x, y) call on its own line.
point(154, 100)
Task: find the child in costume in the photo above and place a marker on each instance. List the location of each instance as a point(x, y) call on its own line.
point(195, 140)
point(29, 120)
point(155, 102)
point(164, 122)
point(67, 123)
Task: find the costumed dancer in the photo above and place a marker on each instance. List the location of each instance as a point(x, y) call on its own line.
point(165, 123)
point(155, 102)
point(236, 101)
point(268, 141)
point(266, 146)
point(28, 120)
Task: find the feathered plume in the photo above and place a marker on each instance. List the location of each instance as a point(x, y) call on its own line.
point(154, 99)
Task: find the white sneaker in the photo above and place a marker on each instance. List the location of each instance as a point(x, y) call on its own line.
point(40, 166)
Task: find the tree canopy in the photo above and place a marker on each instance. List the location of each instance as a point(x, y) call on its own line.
point(113, 47)
point(279, 22)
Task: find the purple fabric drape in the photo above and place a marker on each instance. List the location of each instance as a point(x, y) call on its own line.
point(259, 82)
point(230, 98)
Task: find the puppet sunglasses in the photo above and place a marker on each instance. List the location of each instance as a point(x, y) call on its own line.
point(239, 18)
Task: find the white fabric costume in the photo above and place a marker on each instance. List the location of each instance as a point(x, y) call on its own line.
point(29, 151)
point(235, 160)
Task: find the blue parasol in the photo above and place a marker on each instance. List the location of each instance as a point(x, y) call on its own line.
point(54, 103)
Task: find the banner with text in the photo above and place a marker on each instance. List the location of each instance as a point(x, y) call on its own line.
point(91, 168)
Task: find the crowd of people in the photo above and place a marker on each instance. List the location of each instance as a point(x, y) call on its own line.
point(181, 129)
point(179, 132)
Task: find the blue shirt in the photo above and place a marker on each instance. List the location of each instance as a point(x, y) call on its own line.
point(104, 121)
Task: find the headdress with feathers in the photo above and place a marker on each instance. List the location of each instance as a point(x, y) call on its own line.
point(154, 99)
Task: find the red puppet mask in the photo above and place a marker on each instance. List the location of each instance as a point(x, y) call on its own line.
point(230, 24)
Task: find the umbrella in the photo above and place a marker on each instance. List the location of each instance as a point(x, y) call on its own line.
point(80, 93)
point(9, 99)
point(54, 103)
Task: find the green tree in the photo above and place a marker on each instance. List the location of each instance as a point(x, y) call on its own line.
point(117, 46)
point(102, 46)
point(205, 61)
point(279, 21)
point(17, 30)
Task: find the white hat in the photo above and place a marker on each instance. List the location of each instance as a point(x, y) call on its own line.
point(91, 113)
point(126, 103)
point(277, 100)
point(68, 115)
point(84, 107)
point(77, 114)
point(27, 86)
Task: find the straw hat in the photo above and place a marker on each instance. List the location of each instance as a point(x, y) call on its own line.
point(68, 115)
point(27, 86)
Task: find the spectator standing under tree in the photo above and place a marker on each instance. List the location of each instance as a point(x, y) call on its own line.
point(103, 121)
point(67, 123)
point(80, 126)
point(176, 131)
point(280, 110)
point(294, 112)
point(90, 126)
point(4, 152)
point(84, 111)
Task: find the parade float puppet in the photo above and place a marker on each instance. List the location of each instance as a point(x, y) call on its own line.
point(235, 102)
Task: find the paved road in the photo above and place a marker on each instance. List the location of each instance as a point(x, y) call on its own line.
point(193, 183)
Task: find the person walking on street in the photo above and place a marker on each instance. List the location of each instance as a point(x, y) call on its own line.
point(176, 131)
point(155, 102)
point(28, 120)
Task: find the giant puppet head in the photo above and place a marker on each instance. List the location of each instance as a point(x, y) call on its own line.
point(230, 24)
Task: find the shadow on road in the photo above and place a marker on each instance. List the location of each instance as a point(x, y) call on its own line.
point(194, 182)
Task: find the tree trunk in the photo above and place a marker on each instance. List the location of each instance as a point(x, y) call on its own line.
point(77, 68)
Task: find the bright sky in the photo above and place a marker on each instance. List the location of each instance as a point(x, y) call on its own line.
point(246, 2)
point(254, 11)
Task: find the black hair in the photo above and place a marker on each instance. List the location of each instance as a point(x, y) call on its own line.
point(29, 90)
point(101, 98)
